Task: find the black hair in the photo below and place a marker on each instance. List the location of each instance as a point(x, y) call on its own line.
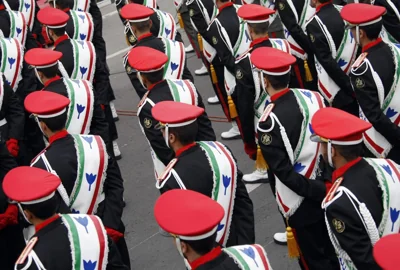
point(49, 72)
point(203, 246)
point(58, 31)
point(55, 123)
point(259, 28)
point(154, 77)
point(349, 152)
point(186, 134)
point(373, 31)
point(63, 4)
point(142, 26)
point(279, 82)
point(43, 210)
point(324, 1)
point(224, 1)
point(140, 2)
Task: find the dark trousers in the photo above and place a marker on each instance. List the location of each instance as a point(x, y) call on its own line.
point(124, 252)
point(113, 133)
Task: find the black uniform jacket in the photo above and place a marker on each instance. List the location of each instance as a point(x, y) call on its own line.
point(101, 79)
point(390, 19)
point(275, 154)
point(215, 260)
point(149, 40)
point(360, 178)
point(195, 171)
point(161, 92)
point(196, 14)
point(62, 156)
point(330, 16)
point(13, 111)
point(7, 162)
point(53, 248)
point(99, 125)
point(98, 39)
point(366, 91)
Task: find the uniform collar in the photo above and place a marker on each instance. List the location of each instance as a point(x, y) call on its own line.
point(184, 148)
point(145, 36)
point(66, 10)
point(46, 222)
point(371, 44)
point(154, 85)
point(56, 78)
point(59, 135)
point(2, 7)
point(317, 9)
point(342, 170)
point(61, 39)
point(214, 253)
point(258, 41)
point(279, 94)
point(229, 4)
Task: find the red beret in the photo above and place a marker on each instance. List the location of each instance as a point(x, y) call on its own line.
point(136, 13)
point(146, 59)
point(253, 13)
point(52, 17)
point(175, 113)
point(362, 14)
point(42, 58)
point(46, 104)
point(272, 61)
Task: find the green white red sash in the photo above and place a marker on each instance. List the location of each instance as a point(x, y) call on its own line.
point(225, 178)
point(88, 240)
point(176, 59)
point(271, 5)
point(306, 13)
point(18, 27)
point(27, 8)
point(150, 3)
point(80, 110)
point(84, 59)
point(390, 106)
point(384, 33)
point(11, 61)
point(249, 257)
point(83, 25)
point(167, 25)
point(344, 56)
point(82, 5)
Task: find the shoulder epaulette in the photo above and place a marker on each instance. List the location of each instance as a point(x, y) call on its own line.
point(359, 60)
point(167, 170)
point(266, 112)
point(332, 192)
point(141, 102)
point(243, 55)
point(28, 248)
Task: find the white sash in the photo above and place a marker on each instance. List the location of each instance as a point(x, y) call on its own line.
point(305, 157)
point(88, 240)
point(27, 8)
point(84, 60)
point(150, 3)
point(225, 178)
point(344, 56)
point(176, 59)
point(82, 5)
point(390, 106)
point(167, 25)
point(80, 110)
point(18, 27)
point(384, 33)
point(249, 257)
point(12, 60)
point(271, 5)
point(305, 15)
point(83, 25)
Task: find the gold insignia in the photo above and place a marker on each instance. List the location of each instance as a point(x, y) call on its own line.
point(147, 123)
point(359, 83)
point(339, 225)
point(281, 6)
point(191, 12)
point(266, 139)
point(239, 74)
point(132, 39)
point(312, 38)
point(128, 69)
point(214, 40)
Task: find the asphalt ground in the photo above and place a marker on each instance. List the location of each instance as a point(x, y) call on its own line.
point(148, 249)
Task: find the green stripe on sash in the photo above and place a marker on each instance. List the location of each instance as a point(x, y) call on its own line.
point(175, 91)
point(168, 53)
point(214, 164)
point(306, 120)
point(341, 48)
point(72, 98)
point(388, 99)
point(75, 239)
point(12, 22)
point(239, 42)
point(162, 24)
point(76, 24)
point(4, 60)
point(239, 258)
point(76, 58)
point(81, 162)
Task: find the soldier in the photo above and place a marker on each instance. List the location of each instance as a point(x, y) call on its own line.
point(375, 84)
point(293, 160)
point(150, 64)
point(208, 167)
point(81, 62)
point(194, 225)
point(60, 241)
point(335, 49)
point(91, 180)
point(361, 206)
point(85, 115)
point(140, 25)
point(385, 252)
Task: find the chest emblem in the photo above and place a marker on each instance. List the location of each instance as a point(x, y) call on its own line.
point(266, 139)
point(214, 40)
point(338, 225)
point(147, 123)
point(359, 83)
point(281, 6)
point(239, 74)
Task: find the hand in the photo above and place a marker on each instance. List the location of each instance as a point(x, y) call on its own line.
point(251, 150)
point(114, 235)
point(9, 217)
point(12, 146)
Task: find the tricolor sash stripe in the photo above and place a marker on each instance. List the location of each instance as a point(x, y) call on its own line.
point(76, 243)
point(99, 173)
point(192, 91)
point(102, 240)
point(88, 110)
point(81, 160)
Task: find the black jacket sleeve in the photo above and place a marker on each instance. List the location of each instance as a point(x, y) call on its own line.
point(28, 83)
point(101, 82)
point(15, 114)
point(114, 257)
point(99, 125)
point(390, 20)
point(197, 17)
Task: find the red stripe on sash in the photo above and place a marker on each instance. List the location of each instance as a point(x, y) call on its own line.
point(90, 34)
point(25, 29)
point(87, 107)
point(326, 92)
point(99, 174)
point(319, 99)
point(350, 64)
point(173, 26)
point(191, 90)
point(92, 59)
point(296, 48)
point(18, 60)
point(397, 121)
point(208, 54)
point(285, 208)
point(31, 13)
point(262, 256)
point(102, 240)
point(181, 63)
point(232, 163)
point(394, 168)
point(86, 5)
point(311, 168)
point(373, 144)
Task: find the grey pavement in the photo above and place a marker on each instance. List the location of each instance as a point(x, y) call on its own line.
point(148, 249)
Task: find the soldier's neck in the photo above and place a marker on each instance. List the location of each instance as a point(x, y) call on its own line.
point(364, 42)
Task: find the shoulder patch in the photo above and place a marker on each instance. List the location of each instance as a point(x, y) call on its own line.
point(338, 225)
point(359, 60)
point(332, 192)
point(27, 250)
point(167, 170)
point(141, 102)
point(266, 112)
point(243, 55)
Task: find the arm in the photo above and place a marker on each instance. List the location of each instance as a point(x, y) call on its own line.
point(223, 51)
point(27, 84)
point(351, 234)
point(197, 17)
point(390, 20)
point(322, 51)
point(99, 124)
point(101, 82)
point(114, 257)
point(205, 131)
point(15, 114)
point(367, 96)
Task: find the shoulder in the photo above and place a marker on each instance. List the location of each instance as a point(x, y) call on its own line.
point(167, 172)
point(25, 260)
point(266, 122)
point(360, 66)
